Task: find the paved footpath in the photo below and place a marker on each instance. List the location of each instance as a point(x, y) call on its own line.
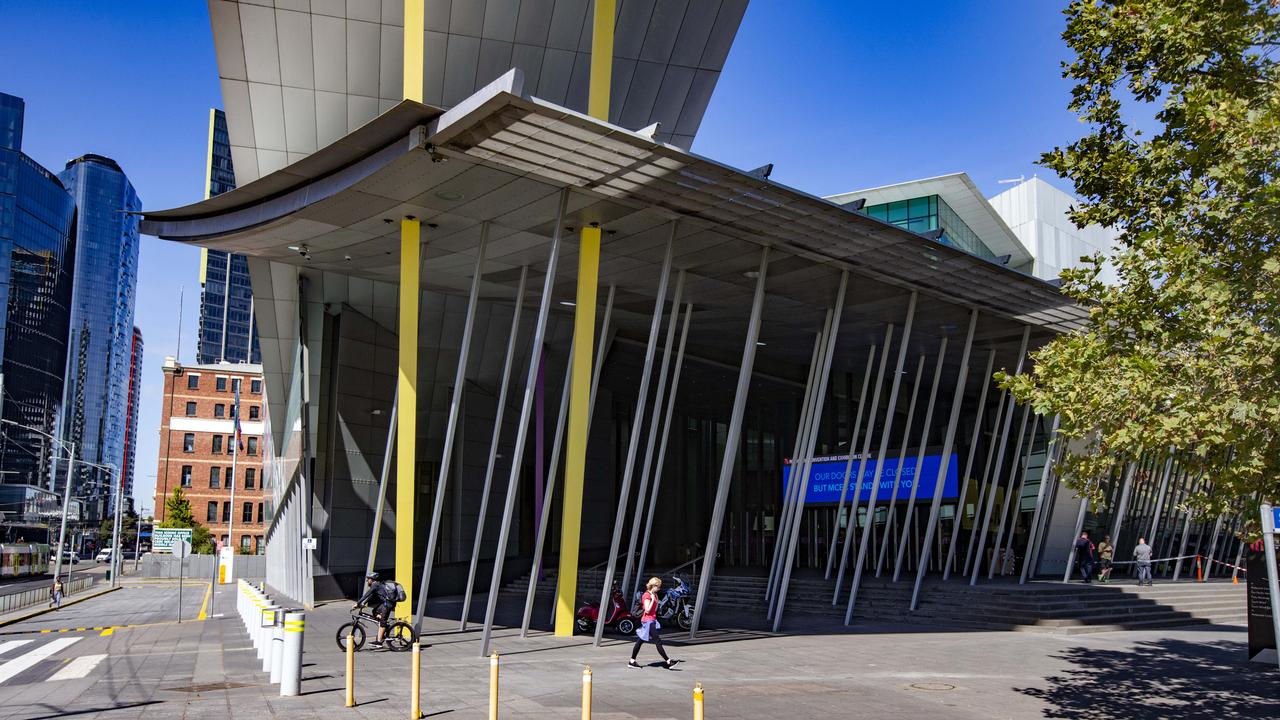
point(145, 665)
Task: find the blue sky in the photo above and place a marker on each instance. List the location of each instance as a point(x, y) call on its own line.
point(838, 95)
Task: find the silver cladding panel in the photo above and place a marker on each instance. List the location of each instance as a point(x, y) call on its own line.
point(297, 76)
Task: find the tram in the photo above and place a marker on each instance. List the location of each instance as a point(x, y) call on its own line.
point(23, 559)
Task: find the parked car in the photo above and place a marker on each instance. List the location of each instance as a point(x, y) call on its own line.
point(103, 556)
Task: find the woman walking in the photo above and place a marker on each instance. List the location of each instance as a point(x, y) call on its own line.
point(649, 625)
point(55, 594)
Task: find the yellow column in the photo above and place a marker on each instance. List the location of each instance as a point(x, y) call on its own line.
point(601, 59)
point(415, 26)
point(584, 326)
point(407, 417)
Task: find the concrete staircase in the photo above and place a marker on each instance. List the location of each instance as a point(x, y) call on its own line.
point(1048, 607)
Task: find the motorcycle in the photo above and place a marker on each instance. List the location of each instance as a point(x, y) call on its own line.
point(676, 605)
point(618, 616)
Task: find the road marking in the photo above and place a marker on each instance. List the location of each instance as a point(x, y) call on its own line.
point(77, 668)
point(8, 645)
point(22, 662)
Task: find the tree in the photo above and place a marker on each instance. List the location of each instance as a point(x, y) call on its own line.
point(1184, 351)
point(177, 513)
point(128, 529)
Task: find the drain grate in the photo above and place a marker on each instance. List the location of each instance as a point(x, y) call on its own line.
point(932, 687)
point(209, 687)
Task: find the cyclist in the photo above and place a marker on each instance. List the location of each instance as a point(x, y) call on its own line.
point(380, 598)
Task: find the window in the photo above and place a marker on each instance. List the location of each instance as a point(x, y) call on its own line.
point(186, 476)
point(244, 543)
point(220, 384)
point(259, 520)
point(215, 477)
point(235, 385)
point(211, 515)
point(253, 446)
point(230, 476)
point(257, 541)
point(246, 513)
point(219, 410)
point(191, 409)
point(188, 442)
point(255, 387)
point(217, 443)
point(193, 382)
point(249, 478)
point(226, 512)
point(231, 444)
point(253, 412)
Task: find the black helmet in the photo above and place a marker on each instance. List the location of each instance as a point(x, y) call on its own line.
point(371, 576)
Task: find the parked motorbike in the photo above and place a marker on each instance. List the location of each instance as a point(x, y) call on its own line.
point(618, 615)
point(675, 605)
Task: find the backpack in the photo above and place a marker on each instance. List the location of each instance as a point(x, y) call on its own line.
point(392, 591)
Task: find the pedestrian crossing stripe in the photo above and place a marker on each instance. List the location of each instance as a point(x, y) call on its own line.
point(33, 657)
point(82, 629)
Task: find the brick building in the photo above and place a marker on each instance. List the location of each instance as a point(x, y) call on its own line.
point(196, 448)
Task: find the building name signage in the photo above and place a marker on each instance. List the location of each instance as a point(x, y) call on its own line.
point(826, 479)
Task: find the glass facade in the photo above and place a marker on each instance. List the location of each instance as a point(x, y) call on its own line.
point(927, 213)
point(227, 330)
point(100, 342)
point(131, 429)
point(37, 252)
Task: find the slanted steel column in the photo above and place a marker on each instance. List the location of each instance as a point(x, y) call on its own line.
point(731, 439)
point(948, 443)
point(862, 463)
point(451, 425)
point(522, 435)
point(982, 482)
point(1164, 488)
point(504, 385)
point(890, 510)
point(968, 467)
point(797, 467)
point(799, 464)
point(884, 448)
point(633, 444)
point(924, 442)
point(544, 512)
point(1071, 556)
point(1033, 537)
point(824, 376)
point(1004, 507)
point(662, 444)
point(655, 417)
point(1213, 548)
point(1015, 499)
point(995, 475)
point(1186, 529)
point(1116, 524)
point(382, 486)
point(853, 442)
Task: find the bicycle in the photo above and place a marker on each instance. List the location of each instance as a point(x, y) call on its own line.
point(399, 637)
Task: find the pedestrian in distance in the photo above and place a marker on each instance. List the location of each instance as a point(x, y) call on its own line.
point(1142, 558)
point(1084, 557)
point(55, 594)
point(649, 626)
point(1106, 553)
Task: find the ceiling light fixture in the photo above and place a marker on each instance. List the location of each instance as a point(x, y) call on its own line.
point(761, 343)
point(753, 274)
point(568, 303)
point(449, 195)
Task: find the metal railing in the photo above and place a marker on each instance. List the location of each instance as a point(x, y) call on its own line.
point(600, 565)
point(692, 563)
point(40, 595)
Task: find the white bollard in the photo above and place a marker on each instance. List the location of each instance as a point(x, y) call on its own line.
point(295, 624)
point(277, 649)
point(268, 616)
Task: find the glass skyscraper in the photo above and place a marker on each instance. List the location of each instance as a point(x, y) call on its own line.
point(227, 329)
point(100, 342)
point(131, 413)
point(37, 252)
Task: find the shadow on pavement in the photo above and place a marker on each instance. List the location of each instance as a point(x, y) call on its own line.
point(1161, 679)
point(56, 713)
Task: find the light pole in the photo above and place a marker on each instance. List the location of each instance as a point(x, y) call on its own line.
point(116, 550)
point(66, 490)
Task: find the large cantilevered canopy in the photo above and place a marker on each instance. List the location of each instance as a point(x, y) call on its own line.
point(503, 158)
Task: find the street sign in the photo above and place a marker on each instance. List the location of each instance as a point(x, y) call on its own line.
point(308, 543)
point(1275, 519)
point(163, 538)
point(180, 548)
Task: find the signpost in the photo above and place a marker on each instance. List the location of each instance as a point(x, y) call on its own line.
point(163, 539)
point(181, 549)
point(1271, 525)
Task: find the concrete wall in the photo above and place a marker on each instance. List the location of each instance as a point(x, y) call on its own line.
point(201, 566)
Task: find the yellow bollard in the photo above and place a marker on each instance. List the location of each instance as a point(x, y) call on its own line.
point(415, 692)
point(586, 693)
point(697, 701)
point(351, 671)
point(493, 686)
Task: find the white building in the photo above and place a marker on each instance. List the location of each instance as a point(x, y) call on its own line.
point(1037, 212)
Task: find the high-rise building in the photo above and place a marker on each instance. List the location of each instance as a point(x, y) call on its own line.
point(37, 252)
point(100, 342)
point(227, 331)
point(1039, 215)
point(131, 413)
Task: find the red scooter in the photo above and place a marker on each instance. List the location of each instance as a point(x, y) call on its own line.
point(619, 616)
